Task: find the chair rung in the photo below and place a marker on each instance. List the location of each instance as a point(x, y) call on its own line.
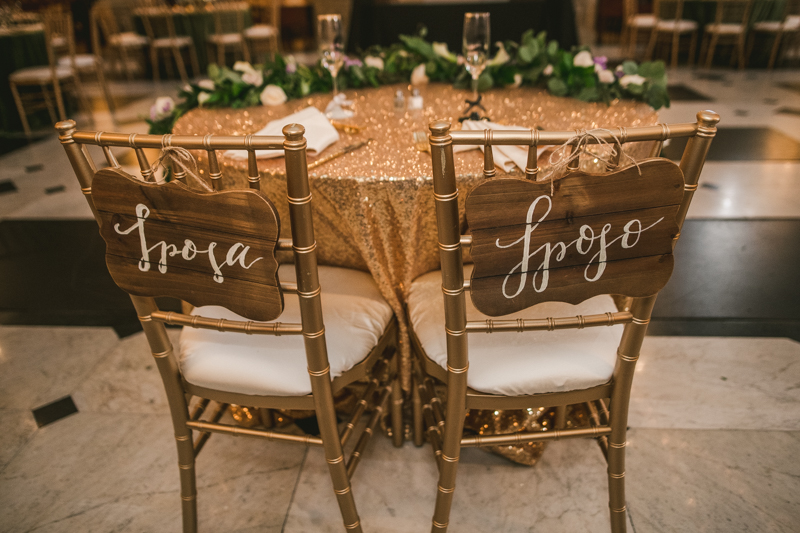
point(361, 445)
point(308, 440)
point(284, 245)
point(218, 412)
point(222, 324)
point(550, 323)
point(522, 438)
point(363, 402)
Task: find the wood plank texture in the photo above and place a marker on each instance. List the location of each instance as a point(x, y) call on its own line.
point(205, 248)
point(607, 234)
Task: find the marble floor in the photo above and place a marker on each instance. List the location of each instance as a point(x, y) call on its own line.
point(715, 415)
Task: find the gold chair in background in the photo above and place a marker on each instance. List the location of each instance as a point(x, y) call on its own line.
point(783, 31)
point(217, 252)
point(264, 36)
point(160, 28)
point(54, 77)
point(126, 48)
point(731, 22)
point(632, 22)
point(228, 30)
point(671, 26)
point(518, 234)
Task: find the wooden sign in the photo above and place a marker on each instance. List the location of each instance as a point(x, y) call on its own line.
point(607, 234)
point(207, 248)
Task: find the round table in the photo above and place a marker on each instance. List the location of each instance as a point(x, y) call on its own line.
point(23, 46)
point(374, 208)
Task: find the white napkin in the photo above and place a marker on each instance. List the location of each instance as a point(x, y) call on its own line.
point(505, 156)
point(319, 133)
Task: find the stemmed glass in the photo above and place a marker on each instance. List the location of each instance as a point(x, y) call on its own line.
point(476, 46)
point(331, 45)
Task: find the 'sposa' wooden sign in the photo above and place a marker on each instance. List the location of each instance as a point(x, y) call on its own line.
point(609, 234)
point(205, 248)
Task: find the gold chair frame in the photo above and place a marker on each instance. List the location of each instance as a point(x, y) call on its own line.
point(444, 424)
point(228, 20)
point(726, 14)
point(154, 12)
point(380, 362)
point(675, 34)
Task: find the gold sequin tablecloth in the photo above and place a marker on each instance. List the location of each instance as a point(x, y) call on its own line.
point(374, 208)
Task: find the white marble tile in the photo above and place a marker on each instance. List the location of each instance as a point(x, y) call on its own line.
point(17, 427)
point(125, 381)
point(96, 472)
point(395, 491)
point(748, 189)
point(713, 481)
point(40, 364)
point(717, 383)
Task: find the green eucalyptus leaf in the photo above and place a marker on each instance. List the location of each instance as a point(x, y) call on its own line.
point(630, 67)
point(557, 87)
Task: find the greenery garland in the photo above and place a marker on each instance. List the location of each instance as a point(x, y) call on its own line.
point(532, 62)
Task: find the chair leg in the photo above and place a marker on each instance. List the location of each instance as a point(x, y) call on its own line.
point(751, 42)
point(126, 63)
point(451, 449)
point(176, 53)
point(416, 404)
point(651, 46)
point(398, 433)
point(740, 46)
point(221, 55)
point(195, 62)
point(101, 79)
point(711, 47)
point(49, 103)
point(154, 61)
point(774, 52)
point(692, 48)
point(20, 109)
point(245, 50)
point(561, 417)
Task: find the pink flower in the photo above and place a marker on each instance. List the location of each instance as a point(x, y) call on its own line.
point(352, 62)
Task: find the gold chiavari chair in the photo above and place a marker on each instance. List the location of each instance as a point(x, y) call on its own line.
point(228, 30)
point(264, 36)
point(672, 26)
point(731, 22)
point(159, 25)
point(54, 76)
point(632, 22)
point(216, 250)
point(783, 31)
point(125, 48)
point(621, 228)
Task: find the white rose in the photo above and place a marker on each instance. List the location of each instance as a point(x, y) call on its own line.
point(418, 76)
point(441, 50)
point(631, 79)
point(202, 98)
point(548, 70)
point(273, 95)
point(253, 78)
point(207, 85)
point(517, 81)
point(502, 56)
point(162, 108)
point(583, 59)
point(606, 76)
point(374, 62)
point(243, 66)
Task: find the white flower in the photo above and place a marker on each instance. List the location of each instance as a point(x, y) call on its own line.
point(606, 76)
point(517, 81)
point(441, 50)
point(631, 79)
point(202, 98)
point(243, 66)
point(206, 85)
point(162, 108)
point(253, 78)
point(374, 62)
point(619, 69)
point(272, 95)
point(502, 56)
point(418, 76)
point(548, 70)
point(187, 88)
point(583, 59)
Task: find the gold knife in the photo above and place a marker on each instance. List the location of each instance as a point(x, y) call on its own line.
point(340, 153)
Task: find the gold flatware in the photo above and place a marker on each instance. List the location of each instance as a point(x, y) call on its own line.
point(340, 153)
point(421, 142)
point(350, 129)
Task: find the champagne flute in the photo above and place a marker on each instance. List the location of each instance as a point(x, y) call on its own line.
point(331, 45)
point(476, 46)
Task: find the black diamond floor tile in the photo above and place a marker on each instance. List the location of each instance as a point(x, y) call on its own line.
point(789, 86)
point(744, 144)
point(684, 93)
point(7, 187)
point(54, 411)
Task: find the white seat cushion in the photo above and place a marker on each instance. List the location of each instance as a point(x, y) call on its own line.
point(355, 316)
point(82, 61)
point(792, 23)
point(514, 364)
point(259, 31)
point(725, 29)
point(681, 25)
point(642, 20)
point(128, 39)
point(225, 38)
point(167, 42)
point(39, 74)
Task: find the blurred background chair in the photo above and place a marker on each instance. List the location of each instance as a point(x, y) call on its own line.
point(632, 23)
point(671, 27)
point(229, 31)
point(124, 50)
point(263, 37)
point(730, 26)
point(159, 25)
point(784, 32)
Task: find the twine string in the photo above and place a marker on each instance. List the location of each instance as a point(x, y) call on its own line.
point(578, 144)
point(183, 158)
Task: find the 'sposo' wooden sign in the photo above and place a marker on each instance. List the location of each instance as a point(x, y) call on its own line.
point(609, 234)
point(207, 248)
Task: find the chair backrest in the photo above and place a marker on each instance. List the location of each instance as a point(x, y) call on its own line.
point(630, 9)
point(206, 247)
point(570, 238)
point(266, 12)
point(229, 16)
point(668, 9)
point(59, 38)
point(157, 19)
point(103, 22)
point(733, 12)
